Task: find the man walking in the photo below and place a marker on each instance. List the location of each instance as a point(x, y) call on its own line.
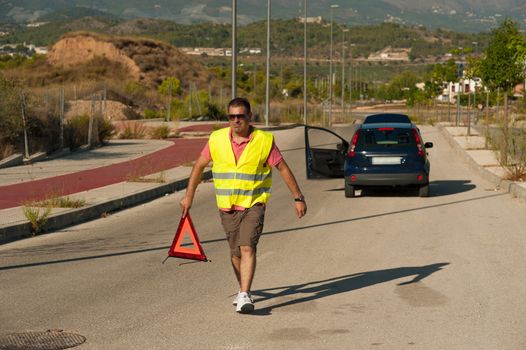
point(242, 160)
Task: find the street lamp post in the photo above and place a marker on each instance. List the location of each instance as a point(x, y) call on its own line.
point(343, 69)
point(330, 72)
point(305, 62)
point(350, 80)
point(234, 49)
point(267, 84)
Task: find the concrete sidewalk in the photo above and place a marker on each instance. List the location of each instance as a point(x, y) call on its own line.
point(474, 150)
point(121, 174)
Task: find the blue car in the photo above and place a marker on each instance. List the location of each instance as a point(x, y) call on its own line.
point(386, 150)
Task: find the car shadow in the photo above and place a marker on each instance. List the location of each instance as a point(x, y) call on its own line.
point(436, 189)
point(305, 292)
point(448, 187)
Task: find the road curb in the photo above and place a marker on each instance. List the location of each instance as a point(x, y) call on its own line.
point(509, 186)
point(95, 211)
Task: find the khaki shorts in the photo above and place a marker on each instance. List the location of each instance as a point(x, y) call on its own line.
point(243, 227)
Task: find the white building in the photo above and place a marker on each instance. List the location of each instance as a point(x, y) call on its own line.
point(465, 86)
point(316, 19)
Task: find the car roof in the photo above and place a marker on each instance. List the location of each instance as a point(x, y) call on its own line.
point(387, 118)
point(387, 125)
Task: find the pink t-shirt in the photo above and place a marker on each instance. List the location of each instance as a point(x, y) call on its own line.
point(274, 157)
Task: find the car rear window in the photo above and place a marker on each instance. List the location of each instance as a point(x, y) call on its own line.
point(387, 118)
point(385, 137)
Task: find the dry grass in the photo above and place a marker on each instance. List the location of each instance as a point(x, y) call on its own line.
point(133, 130)
point(6, 150)
point(516, 167)
point(37, 216)
point(62, 202)
point(160, 132)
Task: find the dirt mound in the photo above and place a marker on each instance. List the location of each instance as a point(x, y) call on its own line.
point(77, 50)
point(146, 60)
point(112, 110)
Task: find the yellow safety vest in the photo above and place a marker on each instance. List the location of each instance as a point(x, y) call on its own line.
point(250, 180)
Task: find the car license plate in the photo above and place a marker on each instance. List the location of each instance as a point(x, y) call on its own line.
point(385, 160)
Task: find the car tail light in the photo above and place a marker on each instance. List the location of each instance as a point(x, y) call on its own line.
point(353, 178)
point(420, 177)
point(385, 129)
point(353, 145)
point(418, 144)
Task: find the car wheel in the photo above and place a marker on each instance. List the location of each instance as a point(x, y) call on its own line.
point(423, 190)
point(349, 190)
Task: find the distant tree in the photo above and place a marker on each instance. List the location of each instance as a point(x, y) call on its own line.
point(446, 72)
point(402, 86)
point(473, 67)
point(518, 46)
point(176, 86)
point(439, 75)
point(10, 121)
point(503, 66)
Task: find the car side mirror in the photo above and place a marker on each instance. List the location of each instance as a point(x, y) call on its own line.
point(428, 145)
point(343, 147)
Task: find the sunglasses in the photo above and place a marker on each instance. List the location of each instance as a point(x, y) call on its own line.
point(239, 116)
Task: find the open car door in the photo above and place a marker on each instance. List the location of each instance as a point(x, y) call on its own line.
point(325, 153)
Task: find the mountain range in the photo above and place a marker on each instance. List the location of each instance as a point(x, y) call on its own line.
point(459, 15)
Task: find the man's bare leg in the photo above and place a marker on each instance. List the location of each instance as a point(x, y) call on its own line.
point(236, 261)
point(247, 267)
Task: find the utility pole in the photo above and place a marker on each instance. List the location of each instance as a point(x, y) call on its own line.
point(343, 69)
point(169, 106)
point(267, 83)
point(61, 137)
point(457, 122)
point(24, 123)
point(234, 49)
point(90, 126)
point(305, 62)
point(330, 72)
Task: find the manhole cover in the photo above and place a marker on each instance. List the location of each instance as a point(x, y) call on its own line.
point(47, 340)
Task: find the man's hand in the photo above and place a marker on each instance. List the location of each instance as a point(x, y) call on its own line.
point(186, 204)
point(301, 209)
point(292, 184)
point(195, 178)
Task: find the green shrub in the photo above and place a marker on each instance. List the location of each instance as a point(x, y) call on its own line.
point(55, 201)
point(176, 86)
point(134, 130)
point(106, 130)
point(160, 132)
point(151, 114)
point(37, 216)
point(77, 131)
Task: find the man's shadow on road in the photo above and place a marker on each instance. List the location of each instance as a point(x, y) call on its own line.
point(342, 284)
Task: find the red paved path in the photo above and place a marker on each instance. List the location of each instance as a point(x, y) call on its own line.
point(202, 127)
point(181, 152)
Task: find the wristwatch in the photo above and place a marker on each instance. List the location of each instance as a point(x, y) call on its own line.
point(301, 198)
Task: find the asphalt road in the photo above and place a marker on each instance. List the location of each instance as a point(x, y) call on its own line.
point(389, 270)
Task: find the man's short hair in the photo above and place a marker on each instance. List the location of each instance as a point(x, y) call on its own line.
point(240, 102)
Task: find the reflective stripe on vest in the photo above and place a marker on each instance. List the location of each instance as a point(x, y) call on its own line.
point(249, 177)
point(250, 180)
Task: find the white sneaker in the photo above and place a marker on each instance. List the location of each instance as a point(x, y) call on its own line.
point(235, 301)
point(245, 304)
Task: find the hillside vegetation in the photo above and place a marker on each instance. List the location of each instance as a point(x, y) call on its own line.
point(286, 36)
point(460, 15)
point(84, 56)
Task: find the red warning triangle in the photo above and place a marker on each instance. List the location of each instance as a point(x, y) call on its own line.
point(194, 252)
